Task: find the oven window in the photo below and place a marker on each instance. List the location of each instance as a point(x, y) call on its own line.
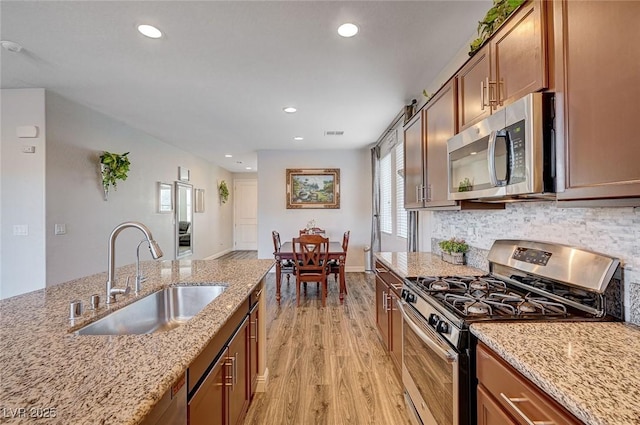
point(470, 167)
point(434, 378)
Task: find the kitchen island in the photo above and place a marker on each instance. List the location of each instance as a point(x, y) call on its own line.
point(51, 375)
point(589, 368)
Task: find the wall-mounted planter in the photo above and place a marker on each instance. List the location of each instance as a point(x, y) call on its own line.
point(113, 167)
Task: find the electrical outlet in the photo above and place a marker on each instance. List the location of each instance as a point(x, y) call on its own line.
point(20, 230)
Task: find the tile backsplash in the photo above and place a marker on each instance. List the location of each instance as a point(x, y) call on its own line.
point(611, 231)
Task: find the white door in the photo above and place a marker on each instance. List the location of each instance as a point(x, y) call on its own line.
point(245, 213)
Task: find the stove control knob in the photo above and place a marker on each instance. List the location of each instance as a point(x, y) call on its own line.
point(434, 319)
point(442, 327)
point(411, 298)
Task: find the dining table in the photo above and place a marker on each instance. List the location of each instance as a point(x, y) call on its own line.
point(336, 252)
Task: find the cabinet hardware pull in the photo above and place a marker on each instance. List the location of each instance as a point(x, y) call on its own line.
point(482, 105)
point(501, 92)
point(384, 300)
point(235, 370)
point(429, 192)
point(253, 333)
point(512, 403)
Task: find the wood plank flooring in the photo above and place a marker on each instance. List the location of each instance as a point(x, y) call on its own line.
point(327, 366)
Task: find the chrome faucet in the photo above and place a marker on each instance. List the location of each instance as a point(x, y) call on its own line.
point(139, 276)
point(156, 253)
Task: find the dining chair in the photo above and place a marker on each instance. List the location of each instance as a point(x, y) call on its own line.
point(286, 266)
point(334, 266)
point(310, 254)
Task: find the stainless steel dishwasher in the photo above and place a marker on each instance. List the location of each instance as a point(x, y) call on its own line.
point(172, 407)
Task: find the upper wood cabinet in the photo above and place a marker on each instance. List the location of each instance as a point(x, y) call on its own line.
point(598, 63)
point(440, 126)
point(512, 64)
point(414, 159)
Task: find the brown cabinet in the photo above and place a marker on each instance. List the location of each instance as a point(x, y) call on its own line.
point(507, 397)
point(414, 160)
point(440, 126)
point(598, 63)
point(222, 396)
point(253, 351)
point(388, 316)
point(512, 64)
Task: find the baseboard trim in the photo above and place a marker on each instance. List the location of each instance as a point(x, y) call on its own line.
point(219, 254)
point(261, 382)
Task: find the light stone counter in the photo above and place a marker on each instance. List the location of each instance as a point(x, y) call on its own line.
point(412, 264)
point(593, 369)
point(106, 379)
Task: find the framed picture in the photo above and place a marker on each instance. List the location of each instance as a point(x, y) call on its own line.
point(313, 188)
point(165, 197)
point(183, 174)
point(199, 198)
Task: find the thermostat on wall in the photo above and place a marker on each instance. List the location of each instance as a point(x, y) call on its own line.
point(27, 131)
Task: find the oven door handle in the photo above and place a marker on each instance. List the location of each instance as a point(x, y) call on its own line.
point(446, 355)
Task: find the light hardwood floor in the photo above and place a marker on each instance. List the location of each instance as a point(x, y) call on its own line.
point(327, 365)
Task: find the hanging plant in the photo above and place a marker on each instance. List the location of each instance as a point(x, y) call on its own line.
point(223, 190)
point(113, 167)
point(493, 19)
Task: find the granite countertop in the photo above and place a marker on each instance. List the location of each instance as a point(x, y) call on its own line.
point(593, 369)
point(86, 379)
point(411, 264)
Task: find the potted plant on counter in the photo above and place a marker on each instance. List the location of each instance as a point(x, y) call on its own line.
point(453, 250)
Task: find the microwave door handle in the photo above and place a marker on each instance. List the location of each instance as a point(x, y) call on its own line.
point(491, 158)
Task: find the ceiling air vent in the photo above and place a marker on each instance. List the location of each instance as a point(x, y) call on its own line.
point(334, 133)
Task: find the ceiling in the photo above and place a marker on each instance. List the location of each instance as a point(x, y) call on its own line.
point(217, 82)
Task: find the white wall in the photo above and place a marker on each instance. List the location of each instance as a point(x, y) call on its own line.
point(354, 213)
point(76, 136)
point(22, 192)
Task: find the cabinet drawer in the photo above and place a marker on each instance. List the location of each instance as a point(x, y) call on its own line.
point(517, 395)
point(390, 278)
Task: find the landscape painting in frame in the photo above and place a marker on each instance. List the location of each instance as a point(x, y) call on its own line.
point(313, 188)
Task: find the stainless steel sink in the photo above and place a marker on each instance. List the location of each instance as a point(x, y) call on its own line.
point(158, 312)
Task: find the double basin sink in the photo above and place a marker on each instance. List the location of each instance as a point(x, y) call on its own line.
point(161, 311)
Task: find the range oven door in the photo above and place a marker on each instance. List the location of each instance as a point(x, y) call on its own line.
point(429, 371)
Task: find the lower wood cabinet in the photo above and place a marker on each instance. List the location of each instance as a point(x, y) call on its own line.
point(222, 398)
point(252, 345)
point(506, 397)
point(388, 316)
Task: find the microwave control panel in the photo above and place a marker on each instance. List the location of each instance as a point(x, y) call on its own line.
point(517, 160)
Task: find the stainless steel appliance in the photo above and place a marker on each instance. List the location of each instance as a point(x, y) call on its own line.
point(527, 281)
point(508, 155)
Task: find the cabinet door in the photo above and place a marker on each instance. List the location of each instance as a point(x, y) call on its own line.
point(519, 54)
point(601, 95)
point(440, 126)
point(414, 162)
point(253, 352)
point(473, 101)
point(396, 332)
point(237, 360)
point(489, 412)
point(207, 406)
point(382, 315)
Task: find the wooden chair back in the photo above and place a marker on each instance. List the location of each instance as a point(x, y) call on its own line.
point(276, 241)
point(310, 254)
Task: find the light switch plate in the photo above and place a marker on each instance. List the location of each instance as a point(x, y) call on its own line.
point(28, 149)
point(60, 229)
point(20, 230)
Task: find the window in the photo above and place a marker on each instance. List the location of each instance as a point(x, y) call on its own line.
point(401, 213)
point(386, 198)
point(393, 216)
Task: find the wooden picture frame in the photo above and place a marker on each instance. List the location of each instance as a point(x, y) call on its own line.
point(313, 188)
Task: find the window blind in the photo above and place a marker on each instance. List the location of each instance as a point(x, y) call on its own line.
point(401, 213)
point(386, 220)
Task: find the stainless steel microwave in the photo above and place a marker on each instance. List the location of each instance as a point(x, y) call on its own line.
point(508, 156)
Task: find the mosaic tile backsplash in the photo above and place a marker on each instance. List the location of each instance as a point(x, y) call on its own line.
point(612, 231)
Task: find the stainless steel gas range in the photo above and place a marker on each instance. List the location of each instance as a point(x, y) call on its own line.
point(527, 280)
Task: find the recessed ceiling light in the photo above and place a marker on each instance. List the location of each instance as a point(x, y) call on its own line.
point(228, 155)
point(298, 138)
point(248, 168)
point(149, 31)
point(347, 30)
point(289, 109)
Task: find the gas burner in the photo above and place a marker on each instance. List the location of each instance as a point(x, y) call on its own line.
point(479, 284)
point(439, 285)
point(477, 307)
point(526, 307)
